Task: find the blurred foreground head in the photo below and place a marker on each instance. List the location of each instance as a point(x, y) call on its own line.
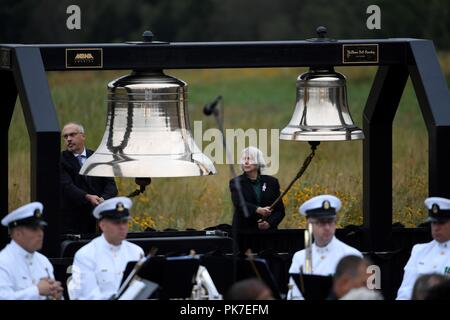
point(425, 283)
point(350, 280)
point(249, 289)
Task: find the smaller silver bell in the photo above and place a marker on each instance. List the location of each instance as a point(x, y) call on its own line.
point(321, 112)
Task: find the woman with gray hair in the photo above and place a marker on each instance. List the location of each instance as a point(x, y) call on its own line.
point(259, 192)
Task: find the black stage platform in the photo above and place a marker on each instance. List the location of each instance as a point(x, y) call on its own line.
point(276, 246)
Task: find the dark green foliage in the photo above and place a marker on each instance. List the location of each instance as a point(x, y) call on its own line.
point(26, 21)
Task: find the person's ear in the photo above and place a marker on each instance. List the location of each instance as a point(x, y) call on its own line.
point(18, 232)
point(101, 224)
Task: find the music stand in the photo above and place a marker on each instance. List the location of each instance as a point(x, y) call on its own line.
point(221, 271)
point(138, 289)
point(258, 268)
point(312, 286)
point(175, 276)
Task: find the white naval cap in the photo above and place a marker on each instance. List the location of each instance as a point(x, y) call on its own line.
point(115, 209)
point(438, 209)
point(323, 206)
point(27, 215)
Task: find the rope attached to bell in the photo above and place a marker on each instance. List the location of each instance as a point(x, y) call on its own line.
point(300, 172)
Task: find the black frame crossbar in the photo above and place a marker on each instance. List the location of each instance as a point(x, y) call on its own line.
point(23, 73)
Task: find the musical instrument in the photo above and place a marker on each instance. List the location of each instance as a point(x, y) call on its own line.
point(147, 132)
point(204, 287)
point(308, 249)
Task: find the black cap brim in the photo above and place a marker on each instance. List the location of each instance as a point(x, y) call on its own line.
point(42, 223)
point(321, 213)
point(36, 223)
point(323, 216)
point(116, 217)
point(326, 217)
point(30, 223)
point(435, 219)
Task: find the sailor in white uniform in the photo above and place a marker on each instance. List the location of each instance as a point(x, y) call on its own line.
point(431, 257)
point(98, 267)
point(327, 251)
point(25, 274)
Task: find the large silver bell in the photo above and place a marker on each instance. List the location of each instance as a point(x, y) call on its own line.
point(321, 112)
point(147, 131)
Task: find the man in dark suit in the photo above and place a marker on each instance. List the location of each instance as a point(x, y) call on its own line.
point(259, 192)
point(80, 194)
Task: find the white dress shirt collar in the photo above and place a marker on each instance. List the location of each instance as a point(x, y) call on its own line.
point(81, 154)
point(21, 251)
point(110, 246)
point(327, 248)
point(443, 245)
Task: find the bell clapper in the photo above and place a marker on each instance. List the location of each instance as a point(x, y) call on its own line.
point(142, 183)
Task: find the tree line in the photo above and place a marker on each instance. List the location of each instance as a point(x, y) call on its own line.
point(28, 21)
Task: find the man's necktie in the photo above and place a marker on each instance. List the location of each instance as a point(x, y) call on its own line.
point(81, 159)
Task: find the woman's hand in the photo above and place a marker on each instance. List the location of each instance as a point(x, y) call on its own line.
point(264, 211)
point(263, 225)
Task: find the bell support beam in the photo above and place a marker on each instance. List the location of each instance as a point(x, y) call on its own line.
point(43, 129)
point(378, 117)
point(195, 55)
point(434, 100)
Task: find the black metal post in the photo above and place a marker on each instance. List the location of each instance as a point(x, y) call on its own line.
point(378, 116)
point(43, 128)
point(434, 100)
point(9, 98)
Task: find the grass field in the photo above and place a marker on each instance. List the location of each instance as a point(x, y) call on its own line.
point(253, 98)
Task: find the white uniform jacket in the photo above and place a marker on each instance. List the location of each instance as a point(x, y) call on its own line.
point(324, 262)
point(431, 257)
point(21, 271)
point(98, 268)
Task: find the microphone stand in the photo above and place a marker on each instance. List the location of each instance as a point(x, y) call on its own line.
point(212, 108)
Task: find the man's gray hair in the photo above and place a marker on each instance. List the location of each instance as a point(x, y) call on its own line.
point(80, 127)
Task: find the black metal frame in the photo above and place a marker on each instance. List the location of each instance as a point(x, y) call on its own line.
point(23, 67)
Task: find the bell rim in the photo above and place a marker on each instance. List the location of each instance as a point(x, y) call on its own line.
point(333, 84)
point(96, 166)
point(343, 135)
